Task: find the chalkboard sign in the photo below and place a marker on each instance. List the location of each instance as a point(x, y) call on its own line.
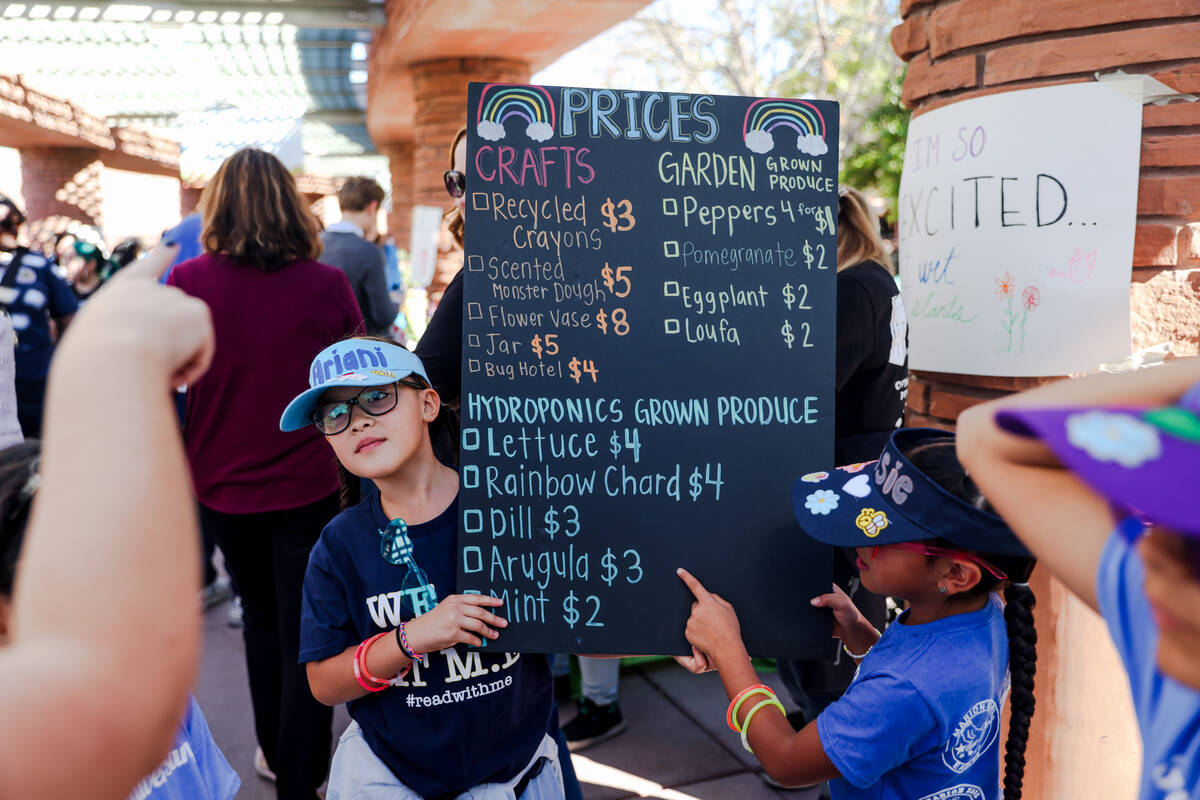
point(648, 362)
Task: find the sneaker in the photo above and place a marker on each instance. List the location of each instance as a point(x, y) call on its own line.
point(261, 767)
point(235, 611)
point(215, 593)
point(593, 724)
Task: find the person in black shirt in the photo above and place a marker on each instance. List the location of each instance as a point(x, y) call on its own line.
point(440, 350)
point(34, 295)
point(872, 385)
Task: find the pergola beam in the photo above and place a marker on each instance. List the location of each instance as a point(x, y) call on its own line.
point(352, 14)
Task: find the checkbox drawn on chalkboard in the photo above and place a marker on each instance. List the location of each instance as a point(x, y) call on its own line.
point(470, 476)
point(479, 201)
point(670, 288)
point(473, 520)
point(472, 340)
point(474, 311)
point(473, 364)
point(470, 438)
point(670, 206)
point(474, 263)
point(670, 326)
point(671, 249)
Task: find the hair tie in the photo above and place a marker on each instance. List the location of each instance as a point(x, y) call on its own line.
point(33, 482)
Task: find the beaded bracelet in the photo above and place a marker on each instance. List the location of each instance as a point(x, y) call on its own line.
point(771, 701)
point(856, 656)
point(863, 654)
point(735, 704)
point(402, 640)
point(360, 667)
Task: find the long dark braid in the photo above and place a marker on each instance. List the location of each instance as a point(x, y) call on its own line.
point(939, 461)
point(1022, 666)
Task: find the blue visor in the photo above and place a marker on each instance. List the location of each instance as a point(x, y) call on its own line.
point(890, 500)
point(353, 362)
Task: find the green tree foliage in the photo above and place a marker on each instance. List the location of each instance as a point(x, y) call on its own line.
point(876, 160)
point(829, 49)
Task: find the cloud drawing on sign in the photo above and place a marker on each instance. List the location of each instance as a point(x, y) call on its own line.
point(539, 131)
point(492, 131)
point(760, 141)
point(811, 144)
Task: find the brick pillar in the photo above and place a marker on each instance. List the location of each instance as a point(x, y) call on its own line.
point(1084, 741)
point(441, 100)
point(189, 200)
point(61, 184)
point(400, 164)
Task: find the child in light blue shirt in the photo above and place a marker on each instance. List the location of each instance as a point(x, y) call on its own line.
point(195, 768)
point(1115, 460)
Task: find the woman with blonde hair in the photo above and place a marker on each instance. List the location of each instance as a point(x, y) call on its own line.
point(872, 384)
point(265, 495)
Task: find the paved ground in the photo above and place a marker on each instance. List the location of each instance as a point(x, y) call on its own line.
point(677, 746)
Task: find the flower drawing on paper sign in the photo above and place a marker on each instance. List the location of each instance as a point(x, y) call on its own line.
point(1107, 436)
point(501, 101)
point(822, 501)
point(1015, 318)
point(1031, 298)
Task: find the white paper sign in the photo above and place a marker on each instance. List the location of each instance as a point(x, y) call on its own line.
point(423, 249)
point(1017, 214)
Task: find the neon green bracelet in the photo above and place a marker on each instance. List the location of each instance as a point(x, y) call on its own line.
point(746, 695)
point(773, 701)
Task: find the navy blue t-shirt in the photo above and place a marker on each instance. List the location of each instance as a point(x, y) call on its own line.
point(38, 295)
point(463, 716)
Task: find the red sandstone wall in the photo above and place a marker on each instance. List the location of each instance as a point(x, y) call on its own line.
point(1083, 742)
point(958, 49)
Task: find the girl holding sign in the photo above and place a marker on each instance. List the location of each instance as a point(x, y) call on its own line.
point(1116, 458)
point(433, 717)
point(922, 717)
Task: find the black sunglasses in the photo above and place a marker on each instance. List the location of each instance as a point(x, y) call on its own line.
point(456, 182)
point(333, 418)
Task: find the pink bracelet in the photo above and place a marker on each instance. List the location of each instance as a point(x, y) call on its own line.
point(360, 667)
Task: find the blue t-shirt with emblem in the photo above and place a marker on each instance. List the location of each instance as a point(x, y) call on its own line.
point(463, 716)
point(194, 769)
point(1168, 712)
point(921, 721)
point(38, 295)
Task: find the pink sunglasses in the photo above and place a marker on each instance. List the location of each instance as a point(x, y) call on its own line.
point(942, 552)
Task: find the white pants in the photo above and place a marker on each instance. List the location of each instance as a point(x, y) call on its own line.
point(358, 774)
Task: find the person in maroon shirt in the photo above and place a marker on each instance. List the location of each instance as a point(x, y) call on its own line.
point(265, 495)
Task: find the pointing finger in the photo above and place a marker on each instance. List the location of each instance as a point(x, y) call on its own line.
point(694, 585)
point(153, 265)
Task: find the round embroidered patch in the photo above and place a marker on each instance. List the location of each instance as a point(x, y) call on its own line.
point(972, 736)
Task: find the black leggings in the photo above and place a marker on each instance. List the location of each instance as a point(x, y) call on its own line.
point(267, 554)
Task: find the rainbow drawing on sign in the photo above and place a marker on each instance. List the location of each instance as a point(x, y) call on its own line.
point(500, 101)
point(764, 116)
